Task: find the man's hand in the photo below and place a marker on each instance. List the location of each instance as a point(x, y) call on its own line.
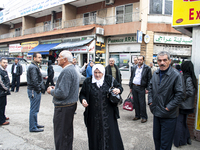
point(167, 109)
point(150, 104)
point(130, 90)
point(49, 90)
point(84, 103)
point(146, 91)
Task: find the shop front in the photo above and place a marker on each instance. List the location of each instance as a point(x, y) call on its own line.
point(26, 47)
point(4, 50)
point(15, 50)
point(123, 50)
point(179, 47)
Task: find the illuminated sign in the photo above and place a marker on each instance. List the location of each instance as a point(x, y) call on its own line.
point(186, 13)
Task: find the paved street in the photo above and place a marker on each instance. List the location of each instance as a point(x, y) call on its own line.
point(135, 135)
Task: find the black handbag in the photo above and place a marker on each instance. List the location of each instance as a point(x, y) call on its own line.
point(114, 98)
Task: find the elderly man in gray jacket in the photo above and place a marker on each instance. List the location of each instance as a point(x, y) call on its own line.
point(166, 92)
point(65, 97)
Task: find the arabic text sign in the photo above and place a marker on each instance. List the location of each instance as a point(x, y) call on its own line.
point(27, 46)
point(172, 40)
point(14, 48)
point(83, 49)
point(186, 12)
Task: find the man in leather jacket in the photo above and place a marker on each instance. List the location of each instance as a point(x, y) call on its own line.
point(139, 82)
point(34, 82)
point(166, 92)
point(4, 90)
point(16, 72)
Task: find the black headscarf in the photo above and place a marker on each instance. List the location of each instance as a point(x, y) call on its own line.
point(188, 71)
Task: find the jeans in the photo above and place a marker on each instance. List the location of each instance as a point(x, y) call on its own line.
point(15, 79)
point(3, 101)
point(163, 132)
point(34, 108)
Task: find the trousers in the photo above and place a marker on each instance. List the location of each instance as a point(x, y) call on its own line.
point(63, 127)
point(163, 132)
point(35, 99)
point(3, 102)
point(15, 79)
point(139, 102)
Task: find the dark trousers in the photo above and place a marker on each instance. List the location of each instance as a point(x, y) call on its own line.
point(63, 127)
point(139, 101)
point(163, 132)
point(3, 102)
point(15, 79)
point(49, 79)
point(182, 133)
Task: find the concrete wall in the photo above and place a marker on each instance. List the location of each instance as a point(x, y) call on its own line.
point(68, 13)
point(144, 15)
point(149, 48)
point(27, 22)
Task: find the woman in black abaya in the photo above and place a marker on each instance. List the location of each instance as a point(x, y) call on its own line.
point(100, 114)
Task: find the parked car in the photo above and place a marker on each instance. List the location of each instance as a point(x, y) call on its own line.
point(12, 59)
point(23, 78)
point(57, 70)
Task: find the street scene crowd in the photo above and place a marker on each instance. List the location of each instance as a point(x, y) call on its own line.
point(171, 94)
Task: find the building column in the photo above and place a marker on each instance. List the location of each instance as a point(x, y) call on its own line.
point(149, 48)
point(27, 22)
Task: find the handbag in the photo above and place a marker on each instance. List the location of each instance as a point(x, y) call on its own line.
point(128, 103)
point(114, 98)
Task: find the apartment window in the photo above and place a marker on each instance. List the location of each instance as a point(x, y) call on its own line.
point(124, 13)
point(89, 18)
point(161, 7)
point(18, 32)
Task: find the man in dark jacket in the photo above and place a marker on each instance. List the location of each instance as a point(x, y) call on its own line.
point(166, 92)
point(34, 82)
point(4, 90)
point(139, 81)
point(113, 70)
point(50, 73)
point(16, 72)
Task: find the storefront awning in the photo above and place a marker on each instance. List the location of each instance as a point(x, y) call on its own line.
point(68, 45)
point(42, 49)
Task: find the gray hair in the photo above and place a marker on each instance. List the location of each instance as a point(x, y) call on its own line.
point(162, 53)
point(3, 58)
point(67, 54)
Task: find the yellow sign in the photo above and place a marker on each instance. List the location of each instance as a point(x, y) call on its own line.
point(186, 13)
point(27, 46)
point(198, 109)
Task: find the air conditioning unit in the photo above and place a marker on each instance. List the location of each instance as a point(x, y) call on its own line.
point(109, 2)
point(100, 31)
point(12, 26)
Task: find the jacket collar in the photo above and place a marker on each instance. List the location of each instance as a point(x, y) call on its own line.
point(34, 63)
point(167, 73)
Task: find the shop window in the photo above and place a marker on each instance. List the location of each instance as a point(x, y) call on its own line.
point(161, 7)
point(89, 18)
point(124, 13)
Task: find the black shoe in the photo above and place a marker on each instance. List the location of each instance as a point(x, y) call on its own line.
point(12, 91)
point(136, 118)
point(37, 130)
point(189, 142)
point(40, 126)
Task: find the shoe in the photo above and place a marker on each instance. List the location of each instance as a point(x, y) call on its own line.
point(136, 118)
point(5, 123)
point(16, 91)
point(40, 126)
point(37, 130)
point(189, 142)
point(12, 91)
point(7, 118)
point(143, 120)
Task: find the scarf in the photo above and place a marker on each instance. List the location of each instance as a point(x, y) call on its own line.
point(102, 70)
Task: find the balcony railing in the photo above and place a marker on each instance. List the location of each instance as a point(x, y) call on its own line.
point(124, 18)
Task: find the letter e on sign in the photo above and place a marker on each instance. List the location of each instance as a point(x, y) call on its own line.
point(191, 13)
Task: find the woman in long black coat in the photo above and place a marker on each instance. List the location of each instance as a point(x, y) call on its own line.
point(100, 114)
point(50, 74)
point(182, 135)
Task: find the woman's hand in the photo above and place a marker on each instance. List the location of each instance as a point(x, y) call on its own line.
point(116, 91)
point(84, 103)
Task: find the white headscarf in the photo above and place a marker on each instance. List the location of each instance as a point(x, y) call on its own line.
point(102, 70)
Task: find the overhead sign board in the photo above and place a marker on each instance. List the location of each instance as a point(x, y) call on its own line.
point(14, 48)
point(186, 13)
point(27, 46)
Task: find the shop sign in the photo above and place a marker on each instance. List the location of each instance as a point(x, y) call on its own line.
point(83, 49)
point(172, 40)
point(139, 36)
point(186, 13)
point(14, 48)
point(27, 46)
point(92, 47)
point(127, 39)
point(146, 38)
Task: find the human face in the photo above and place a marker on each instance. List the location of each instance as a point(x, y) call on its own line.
point(151, 65)
point(74, 61)
point(91, 64)
point(163, 62)
point(135, 61)
point(60, 60)
point(4, 63)
point(38, 58)
point(140, 61)
point(97, 74)
point(111, 62)
point(16, 61)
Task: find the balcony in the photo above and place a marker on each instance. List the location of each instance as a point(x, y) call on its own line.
point(118, 19)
